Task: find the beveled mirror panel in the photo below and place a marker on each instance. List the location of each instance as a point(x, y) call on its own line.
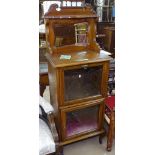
point(70, 34)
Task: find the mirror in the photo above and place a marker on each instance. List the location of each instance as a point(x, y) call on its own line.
point(70, 34)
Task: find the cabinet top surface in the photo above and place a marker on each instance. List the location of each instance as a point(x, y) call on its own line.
point(77, 58)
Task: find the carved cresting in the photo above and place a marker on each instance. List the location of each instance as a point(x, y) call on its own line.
point(53, 11)
point(53, 7)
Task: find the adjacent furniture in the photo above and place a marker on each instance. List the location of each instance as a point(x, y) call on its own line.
point(43, 66)
point(48, 137)
point(107, 42)
point(78, 72)
point(42, 43)
point(43, 76)
point(111, 81)
point(110, 120)
point(109, 39)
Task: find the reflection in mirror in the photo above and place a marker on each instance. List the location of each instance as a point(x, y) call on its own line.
point(64, 35)
point(81, 30)
point(70, 34)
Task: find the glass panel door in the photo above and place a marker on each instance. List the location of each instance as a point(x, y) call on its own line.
point(82, 82)
point(82, 120)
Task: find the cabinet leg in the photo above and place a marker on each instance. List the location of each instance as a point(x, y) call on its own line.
point(100, 138)
point(110, 134)
point(61, 152)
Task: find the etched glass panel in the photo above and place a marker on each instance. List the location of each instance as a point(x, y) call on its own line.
point(83, 82)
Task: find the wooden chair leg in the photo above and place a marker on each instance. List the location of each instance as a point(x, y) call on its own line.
point(111, 132)
point(59, 150)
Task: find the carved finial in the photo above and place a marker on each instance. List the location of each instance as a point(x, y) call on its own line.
point(53, 7)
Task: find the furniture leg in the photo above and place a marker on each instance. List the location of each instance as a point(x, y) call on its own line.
point(61, 152)
point(111, 132)
point(101, 137)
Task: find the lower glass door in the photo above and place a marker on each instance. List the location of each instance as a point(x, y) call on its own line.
point(82, 120)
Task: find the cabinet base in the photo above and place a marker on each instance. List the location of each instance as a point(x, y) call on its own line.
point(92, 134)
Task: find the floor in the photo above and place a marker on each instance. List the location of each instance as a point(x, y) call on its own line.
point(89, 146)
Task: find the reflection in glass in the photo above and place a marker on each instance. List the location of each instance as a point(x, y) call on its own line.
point(82, 120)
point(82, 82)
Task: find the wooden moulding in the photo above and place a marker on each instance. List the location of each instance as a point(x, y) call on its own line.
point(92, 134)
point(70, 12)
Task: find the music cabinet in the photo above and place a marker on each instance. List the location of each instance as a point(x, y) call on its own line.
point(78, 72)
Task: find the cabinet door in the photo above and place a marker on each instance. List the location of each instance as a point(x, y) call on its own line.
point(82, 82)
point(81, 120)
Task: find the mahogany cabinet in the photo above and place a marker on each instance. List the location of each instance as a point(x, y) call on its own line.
point(78, 74)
